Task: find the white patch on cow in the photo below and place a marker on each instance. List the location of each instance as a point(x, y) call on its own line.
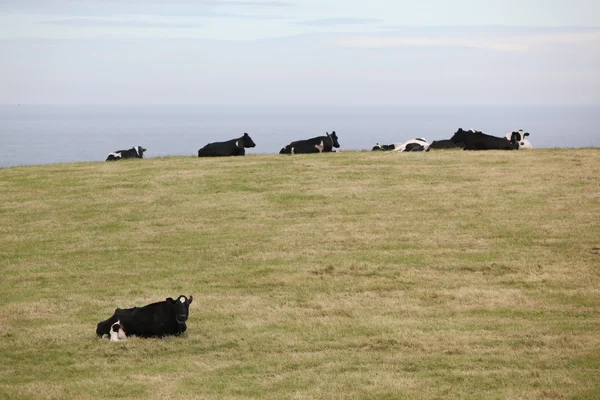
point(136, 150)
point(398, 146)
point(237, 143)
point(182, 299)
point(116, 155)
point(114, 336)
point(320, 146)
point(419, 141)
point(121, 334)
point(292, 151)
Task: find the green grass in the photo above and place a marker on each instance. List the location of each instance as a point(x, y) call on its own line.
point(357, 275)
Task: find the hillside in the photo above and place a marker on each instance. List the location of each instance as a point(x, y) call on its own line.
point(368, 275)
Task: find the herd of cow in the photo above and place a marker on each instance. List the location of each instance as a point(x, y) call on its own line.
point(169, 317)
point(467, 140)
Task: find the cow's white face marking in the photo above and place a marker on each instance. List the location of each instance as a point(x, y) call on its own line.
point(114, 336)
point(320, 146)
point(121, 335)
point(182, 299)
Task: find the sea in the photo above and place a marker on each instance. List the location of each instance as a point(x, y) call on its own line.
point(48, 134)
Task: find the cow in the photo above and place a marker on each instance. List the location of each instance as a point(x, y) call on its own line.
point(446, 144)
point(319, 144)
point(164, 318)
point(518, 137)
point(134, 152)
point(418, 144)
point(386, 147)
point(477, 140)
point(233, 147)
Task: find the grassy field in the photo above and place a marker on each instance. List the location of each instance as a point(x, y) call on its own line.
point(357, 275)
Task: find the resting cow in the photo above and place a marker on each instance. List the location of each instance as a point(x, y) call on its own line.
point(319, 144)
point(518, 137)
point(446, 144)
point(386, 147)
point(233, 147)
point(477, 140)
point(418, 144)
point(134, 152)
point(160, 319)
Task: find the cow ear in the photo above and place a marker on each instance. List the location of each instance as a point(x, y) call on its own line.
point(526, 134)
point(245, 134)
point(189, 300)
point(170, 300)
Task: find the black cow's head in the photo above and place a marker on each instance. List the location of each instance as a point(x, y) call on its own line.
point(334, 139)
point(182, 307)
point(247, 141)
point(140, 151)
point(459, 136)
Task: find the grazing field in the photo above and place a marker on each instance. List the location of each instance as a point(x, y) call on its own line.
point(357, 275)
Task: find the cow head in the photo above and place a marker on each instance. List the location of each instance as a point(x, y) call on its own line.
point(140, 151)
point(459, 136)
point(247, 141)
point(518, 138)
point(334, 139)
point(182, 307)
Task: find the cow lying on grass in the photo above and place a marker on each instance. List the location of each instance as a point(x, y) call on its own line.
point(164, 318)
point(233, 147)
point(134, 152)
point(319, 144)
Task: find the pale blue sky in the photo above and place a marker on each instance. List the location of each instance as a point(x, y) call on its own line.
point(299, 52)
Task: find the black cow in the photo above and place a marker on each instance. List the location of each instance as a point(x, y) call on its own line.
point(319, 144)
point(233, 147)
point(134, 152)
point(446, 144)
point(477, 140)
point(154, 320)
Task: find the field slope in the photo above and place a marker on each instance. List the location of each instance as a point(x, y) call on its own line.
point(356, 275)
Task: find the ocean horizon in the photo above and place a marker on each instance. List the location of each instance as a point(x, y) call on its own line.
point(48, 134)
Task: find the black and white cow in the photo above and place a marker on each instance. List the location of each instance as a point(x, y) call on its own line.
point(477, 140)
point(233, 147)
point(164, 318)
point(418, 144)
point(518, 137)
point(134, 152)
point(319, 144)
point(386, 147)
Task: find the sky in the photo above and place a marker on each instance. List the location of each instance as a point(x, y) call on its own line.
point(299, 52)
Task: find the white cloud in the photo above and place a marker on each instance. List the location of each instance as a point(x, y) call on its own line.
point(510, 42)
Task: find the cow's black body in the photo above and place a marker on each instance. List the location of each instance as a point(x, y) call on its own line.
point(319, 144)
point(476, 140)
point(233, 147)
point(164, 318)
point(446, 144)
point(134, 152)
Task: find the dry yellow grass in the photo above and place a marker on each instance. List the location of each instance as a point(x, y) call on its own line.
point(354, 275)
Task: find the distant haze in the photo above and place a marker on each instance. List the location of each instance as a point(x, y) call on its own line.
point(292, 52)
